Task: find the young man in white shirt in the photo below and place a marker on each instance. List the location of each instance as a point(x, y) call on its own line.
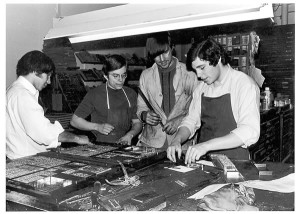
point(225, 108)
point(28, 131)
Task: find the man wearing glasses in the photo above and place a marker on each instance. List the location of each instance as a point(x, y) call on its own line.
point(112, 106)
point(168, 87)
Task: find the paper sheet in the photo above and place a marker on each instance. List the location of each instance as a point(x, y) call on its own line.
point(205, 162)
point(285, 185)
point(206, 191)
point(181, 169)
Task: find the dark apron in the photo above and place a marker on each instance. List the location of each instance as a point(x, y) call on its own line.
point(120, 118)
point(217, 120)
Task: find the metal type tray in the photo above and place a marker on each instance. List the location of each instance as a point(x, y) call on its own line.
point(165, 184)
point(56, 178)
point(57, 173)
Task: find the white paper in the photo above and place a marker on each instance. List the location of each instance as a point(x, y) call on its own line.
point(206, 191)
point(285, 184)
point(181, 169)
point(205, 162)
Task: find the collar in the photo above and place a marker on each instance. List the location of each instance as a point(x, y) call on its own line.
point(27, 85)
point(226, 76)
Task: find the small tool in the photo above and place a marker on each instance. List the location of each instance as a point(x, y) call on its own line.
point(148, 103)
point(97, 187)
point(134, 180)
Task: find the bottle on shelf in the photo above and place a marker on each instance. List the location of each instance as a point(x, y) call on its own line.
point(266, 99)
point(269, 98)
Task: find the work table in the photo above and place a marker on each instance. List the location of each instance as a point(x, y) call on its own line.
point(172, 186)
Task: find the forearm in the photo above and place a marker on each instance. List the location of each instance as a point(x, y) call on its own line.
point(136, 128)
point(67, 137)
point(182, 135)
point(83, 124)
point(226, 142)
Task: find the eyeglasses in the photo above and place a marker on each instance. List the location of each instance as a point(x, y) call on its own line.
point(117, 76)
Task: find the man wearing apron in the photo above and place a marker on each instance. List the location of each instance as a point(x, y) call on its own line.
point(112, 107)
point(224, 110)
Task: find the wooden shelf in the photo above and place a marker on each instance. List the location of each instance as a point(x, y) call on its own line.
point(276, 142)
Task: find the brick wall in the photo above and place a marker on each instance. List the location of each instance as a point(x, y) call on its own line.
point(276, 58)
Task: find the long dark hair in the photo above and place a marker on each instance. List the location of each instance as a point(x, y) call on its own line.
point(208, 50)
point(35, 61)
point(157, 43)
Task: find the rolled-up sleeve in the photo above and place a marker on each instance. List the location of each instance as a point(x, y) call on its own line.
point(248, 119)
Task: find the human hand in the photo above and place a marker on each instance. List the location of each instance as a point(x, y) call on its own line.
point(151, 118)
point(104, 128)
point(173, 148)
point(125, 140)
point(170, 128)
point(194, 153)
point(82, 140)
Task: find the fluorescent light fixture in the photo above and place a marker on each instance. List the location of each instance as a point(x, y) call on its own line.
point(133, 19)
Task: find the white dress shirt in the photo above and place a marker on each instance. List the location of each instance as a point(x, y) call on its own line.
point(28, 131)
point(244, 94)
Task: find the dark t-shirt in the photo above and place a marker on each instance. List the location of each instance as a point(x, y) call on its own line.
point(95, 103)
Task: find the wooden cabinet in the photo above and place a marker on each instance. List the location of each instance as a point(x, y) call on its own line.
point(276, 142)
point(268, 146)
point(287, 134)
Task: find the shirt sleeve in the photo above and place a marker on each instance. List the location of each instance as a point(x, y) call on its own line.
point(86, 107)
point(248, 121)
point(192, 120)
point(141, 105)
point(36, 125)
point(133, 101)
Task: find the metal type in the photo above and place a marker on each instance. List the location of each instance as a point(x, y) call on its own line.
point(134, 180)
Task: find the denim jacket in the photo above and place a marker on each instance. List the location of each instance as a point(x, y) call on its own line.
point(184, 83)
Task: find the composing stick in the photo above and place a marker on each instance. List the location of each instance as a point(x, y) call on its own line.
point(147, 102)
